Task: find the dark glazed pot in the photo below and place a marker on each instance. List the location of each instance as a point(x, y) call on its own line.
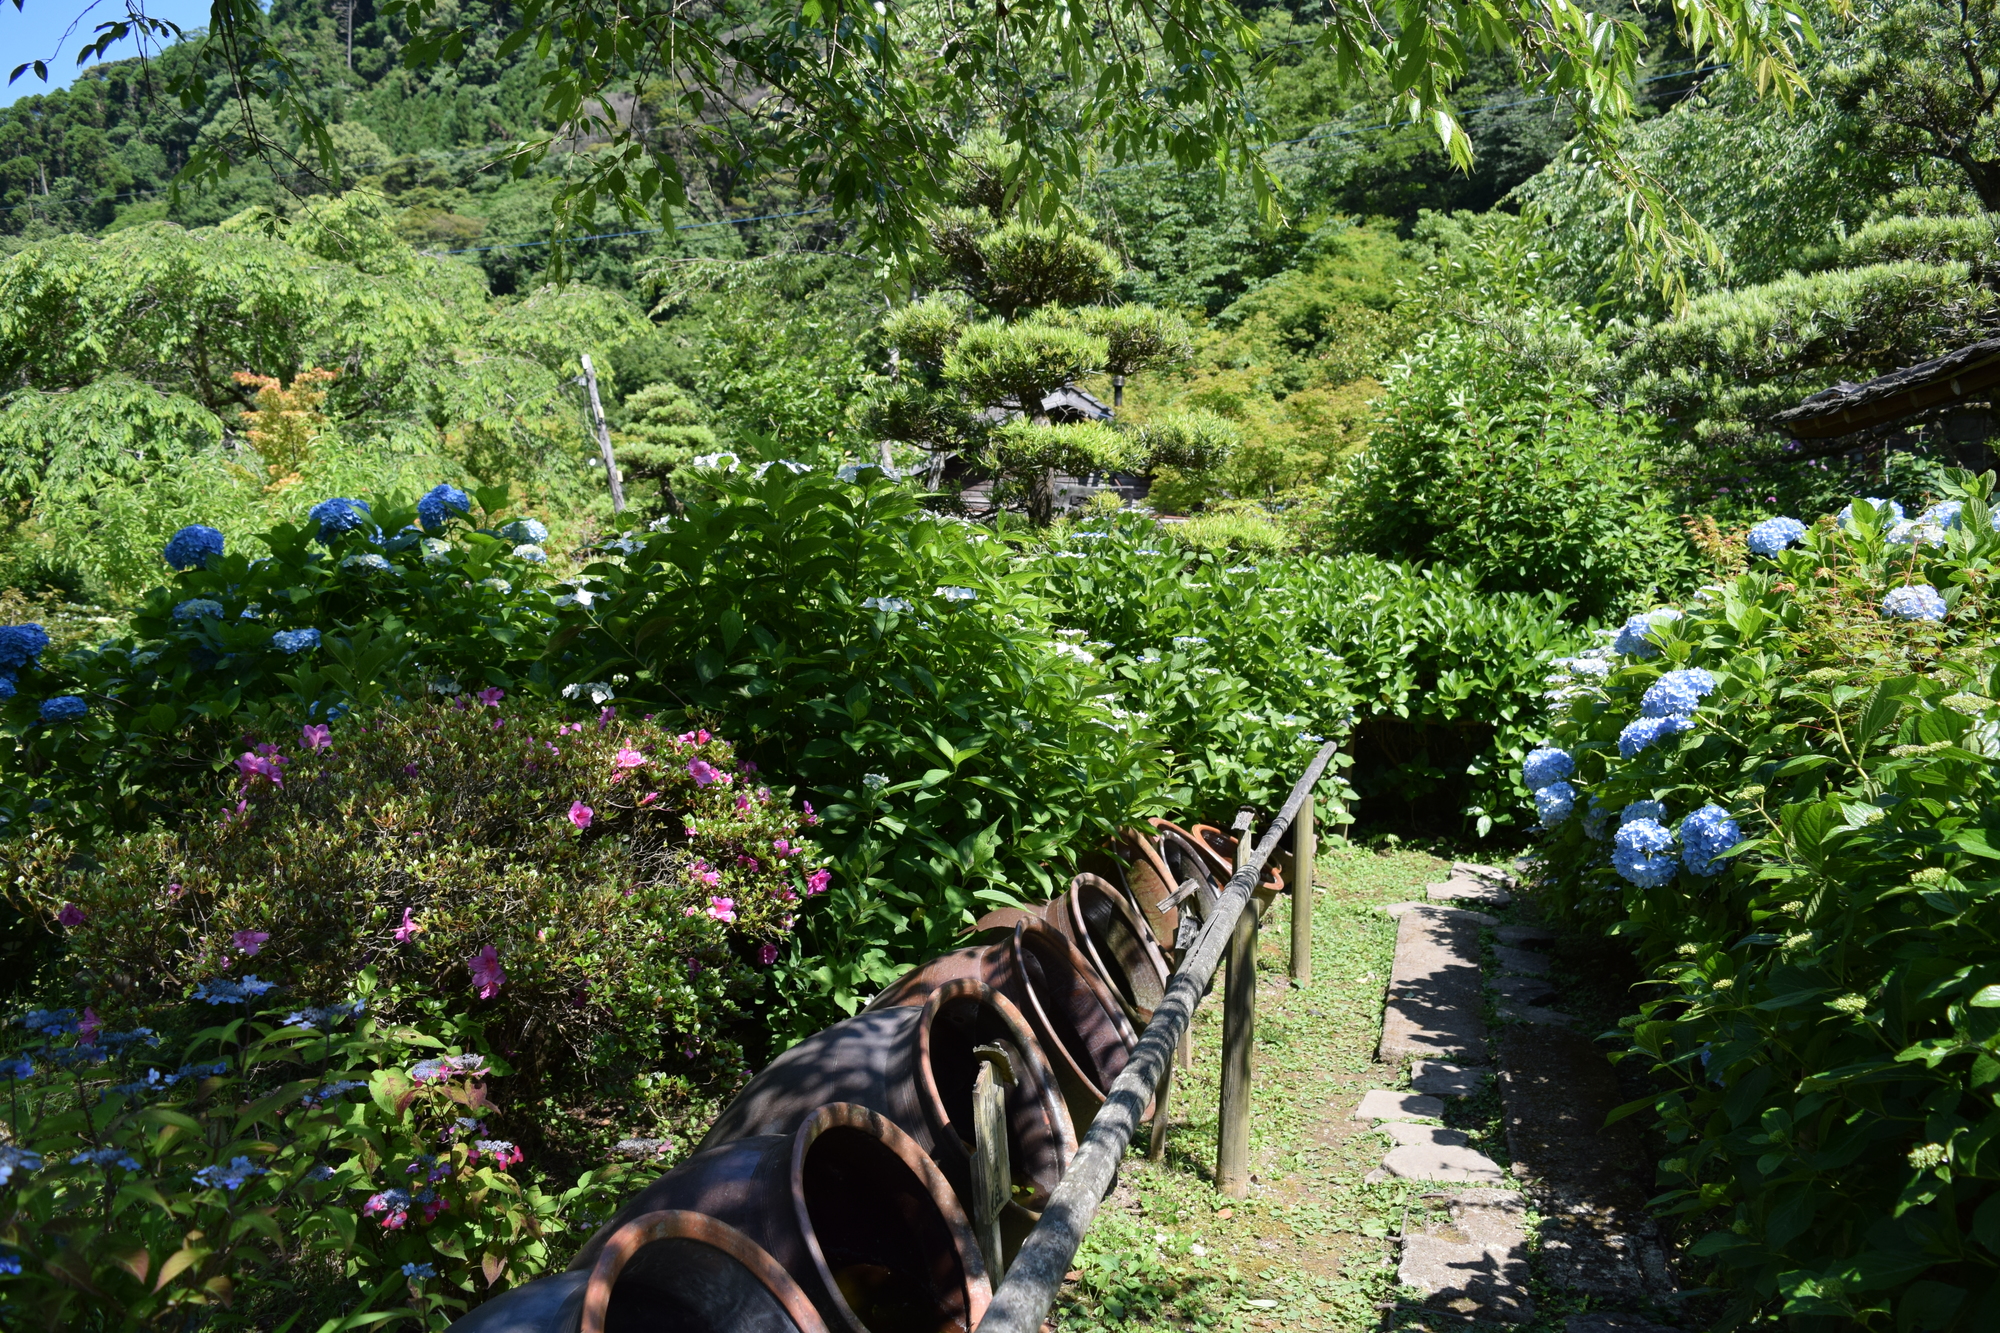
point(1101, 923)
point(1075, 1014)
point(914, 1066)
point(546, 1305)
point(1150, 882)
point(847, 1206)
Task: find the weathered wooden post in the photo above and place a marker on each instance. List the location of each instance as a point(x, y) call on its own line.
point(603, 437)
point(1239, 1024)
point(1305, 852)
point(992, 1173)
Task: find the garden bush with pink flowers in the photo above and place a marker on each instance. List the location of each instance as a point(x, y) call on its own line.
point(600, 898)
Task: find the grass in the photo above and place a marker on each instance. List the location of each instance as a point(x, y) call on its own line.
point(1313, 1246)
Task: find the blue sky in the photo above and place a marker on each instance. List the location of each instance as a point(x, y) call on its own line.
point(36, 32)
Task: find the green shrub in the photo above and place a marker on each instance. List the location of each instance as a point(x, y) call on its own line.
point(631, 888)
point(329, 1167)
point(1823, 1014)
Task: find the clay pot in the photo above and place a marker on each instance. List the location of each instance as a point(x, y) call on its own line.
point(1075, 1014)
point(846, 1207)
point(914, 1065)
point(1220, 864)
point(1222, 847)
point(1101, 922)
point(546, 1305)
point(1149, 881)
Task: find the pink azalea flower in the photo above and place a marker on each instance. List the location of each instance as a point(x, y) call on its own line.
point(409, 770)
point(627, 757)
point(767, 954)
point(70, 917)
point(702, 772)
point(487, 973)
point(818, 880)
point(722, 909)
point(251, 766)
point(690, 910)
point(702, 737)
point(685, 738)
point(811, 818)
point(581, 814)
point(749, 766)
point(316, 737)
point(782, 848)
point(742, 803)
point(175, 890)
point(87, 1027)
point(649, 798)
point(248, 942)
point(408, 930)
point(605, 715)
point(491, 696)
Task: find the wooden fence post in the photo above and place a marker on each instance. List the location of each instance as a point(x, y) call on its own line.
point(603, 437)
point(1239, 1025)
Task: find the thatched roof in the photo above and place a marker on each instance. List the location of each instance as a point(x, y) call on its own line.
point(1847, 408)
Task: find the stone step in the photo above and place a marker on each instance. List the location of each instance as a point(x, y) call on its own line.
point(1510, 1012)
point(1408, 1134)
point(1435, 996)
point(1521, 962)
point(1468, 891)
point(1491, 874)
point(1448, 1080)
point(1441, 910)
point(1524, 934)
point(1476, 1265)
point(1381, 1104)
point(1440, 1161)
point(1522, 990)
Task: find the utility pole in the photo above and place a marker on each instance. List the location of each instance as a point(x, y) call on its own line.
point(603, 437)
point(350, 35)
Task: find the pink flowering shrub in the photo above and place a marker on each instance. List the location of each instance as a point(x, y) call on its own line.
point(605, 898)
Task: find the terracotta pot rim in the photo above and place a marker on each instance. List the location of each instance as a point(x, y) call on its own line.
point(836, 1115)
point(681, 1224)
point(1025, 1040)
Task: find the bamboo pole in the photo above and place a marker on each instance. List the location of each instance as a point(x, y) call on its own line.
point(1305, 855)
point(603, 437)
point(1239, 1027)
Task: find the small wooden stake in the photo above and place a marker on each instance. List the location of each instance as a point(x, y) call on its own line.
point(1162, 1098)
point(603, 437)
point(992, 1174)
point(1305, 850)
point(1239, 1024)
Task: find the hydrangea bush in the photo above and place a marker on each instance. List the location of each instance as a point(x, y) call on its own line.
point(604, 895)
point(1805, 856)
point(281, 1165)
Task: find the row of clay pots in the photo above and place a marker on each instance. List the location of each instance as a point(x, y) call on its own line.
point(833, 1194)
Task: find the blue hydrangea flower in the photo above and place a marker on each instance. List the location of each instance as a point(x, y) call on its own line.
point(534, 555)
point(326, 1092)
point(232, 1177)
point(323, 1017)
point(436, 550)
point(339, 515)
point(1774, 535)
point(20, 645)
point(529, 530)
point(50, 1022)
point(1705, 835)
point(10, 1265)
point(64, 708)
point(1554, 803)
point(1644, 731)
point(1944, 514)
point(1895, 511)
point(14, 1159)
point(191, 547)
point(1918, 601)
point(439, 503)
point(1595, 817)
point(1643, 852)
point(1635, 638)
point(1677, 693)
point(1544, 765)
point(224, 991)
point(198, 608)
point(368, 563)
point(1916, 532)
point(117, 1157)
point(295, 640)
point(418, 1272)
point(7, 688)
point(16, 1069)
point(1653, 810)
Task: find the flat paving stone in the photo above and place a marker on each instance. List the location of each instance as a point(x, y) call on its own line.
point(1492, 874)
point(1439, 1161)
point(1381, 1104)
point(1518, 935)
point(1510, 1012)
point(1408, 1135)
point(1440, 909)
point(1435, 999)
point(1522, 990)
point(1521, 962)
point(1468, 891)
point(1476, 1265)
point(1448, 1080)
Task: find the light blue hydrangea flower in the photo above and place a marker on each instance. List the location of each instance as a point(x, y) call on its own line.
point(1774, 535)
point(1916, 532)
point(1944, 514)
point(1555, 803)
point(368, 563)
point(224, 991)
point(7, 688)
point(893, 605)
point(498, 585)
point(1544, 765)
point(1644, 731)
point(956, 594)
point(1705, 835)
point(20, 645)
point(198, 608)
point(531, 553)
point(102, 1157)
point(1653, 810)
point(1643, 852)
point(1676, 694)
point(1895, 511)
point(1635, 638)
point(14, 1159)
point(233, 1177)
point(1595, 816)
point(419, 1272)
point(338, 515)
point(1918, 601)
point(439, 503)
point(64, 708)
point(436, 550)
point(529, 530)
point(295, 640)
point(10, 1265)
point(191, 547)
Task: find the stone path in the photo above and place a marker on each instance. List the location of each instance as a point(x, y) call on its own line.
point(1469, 1254)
